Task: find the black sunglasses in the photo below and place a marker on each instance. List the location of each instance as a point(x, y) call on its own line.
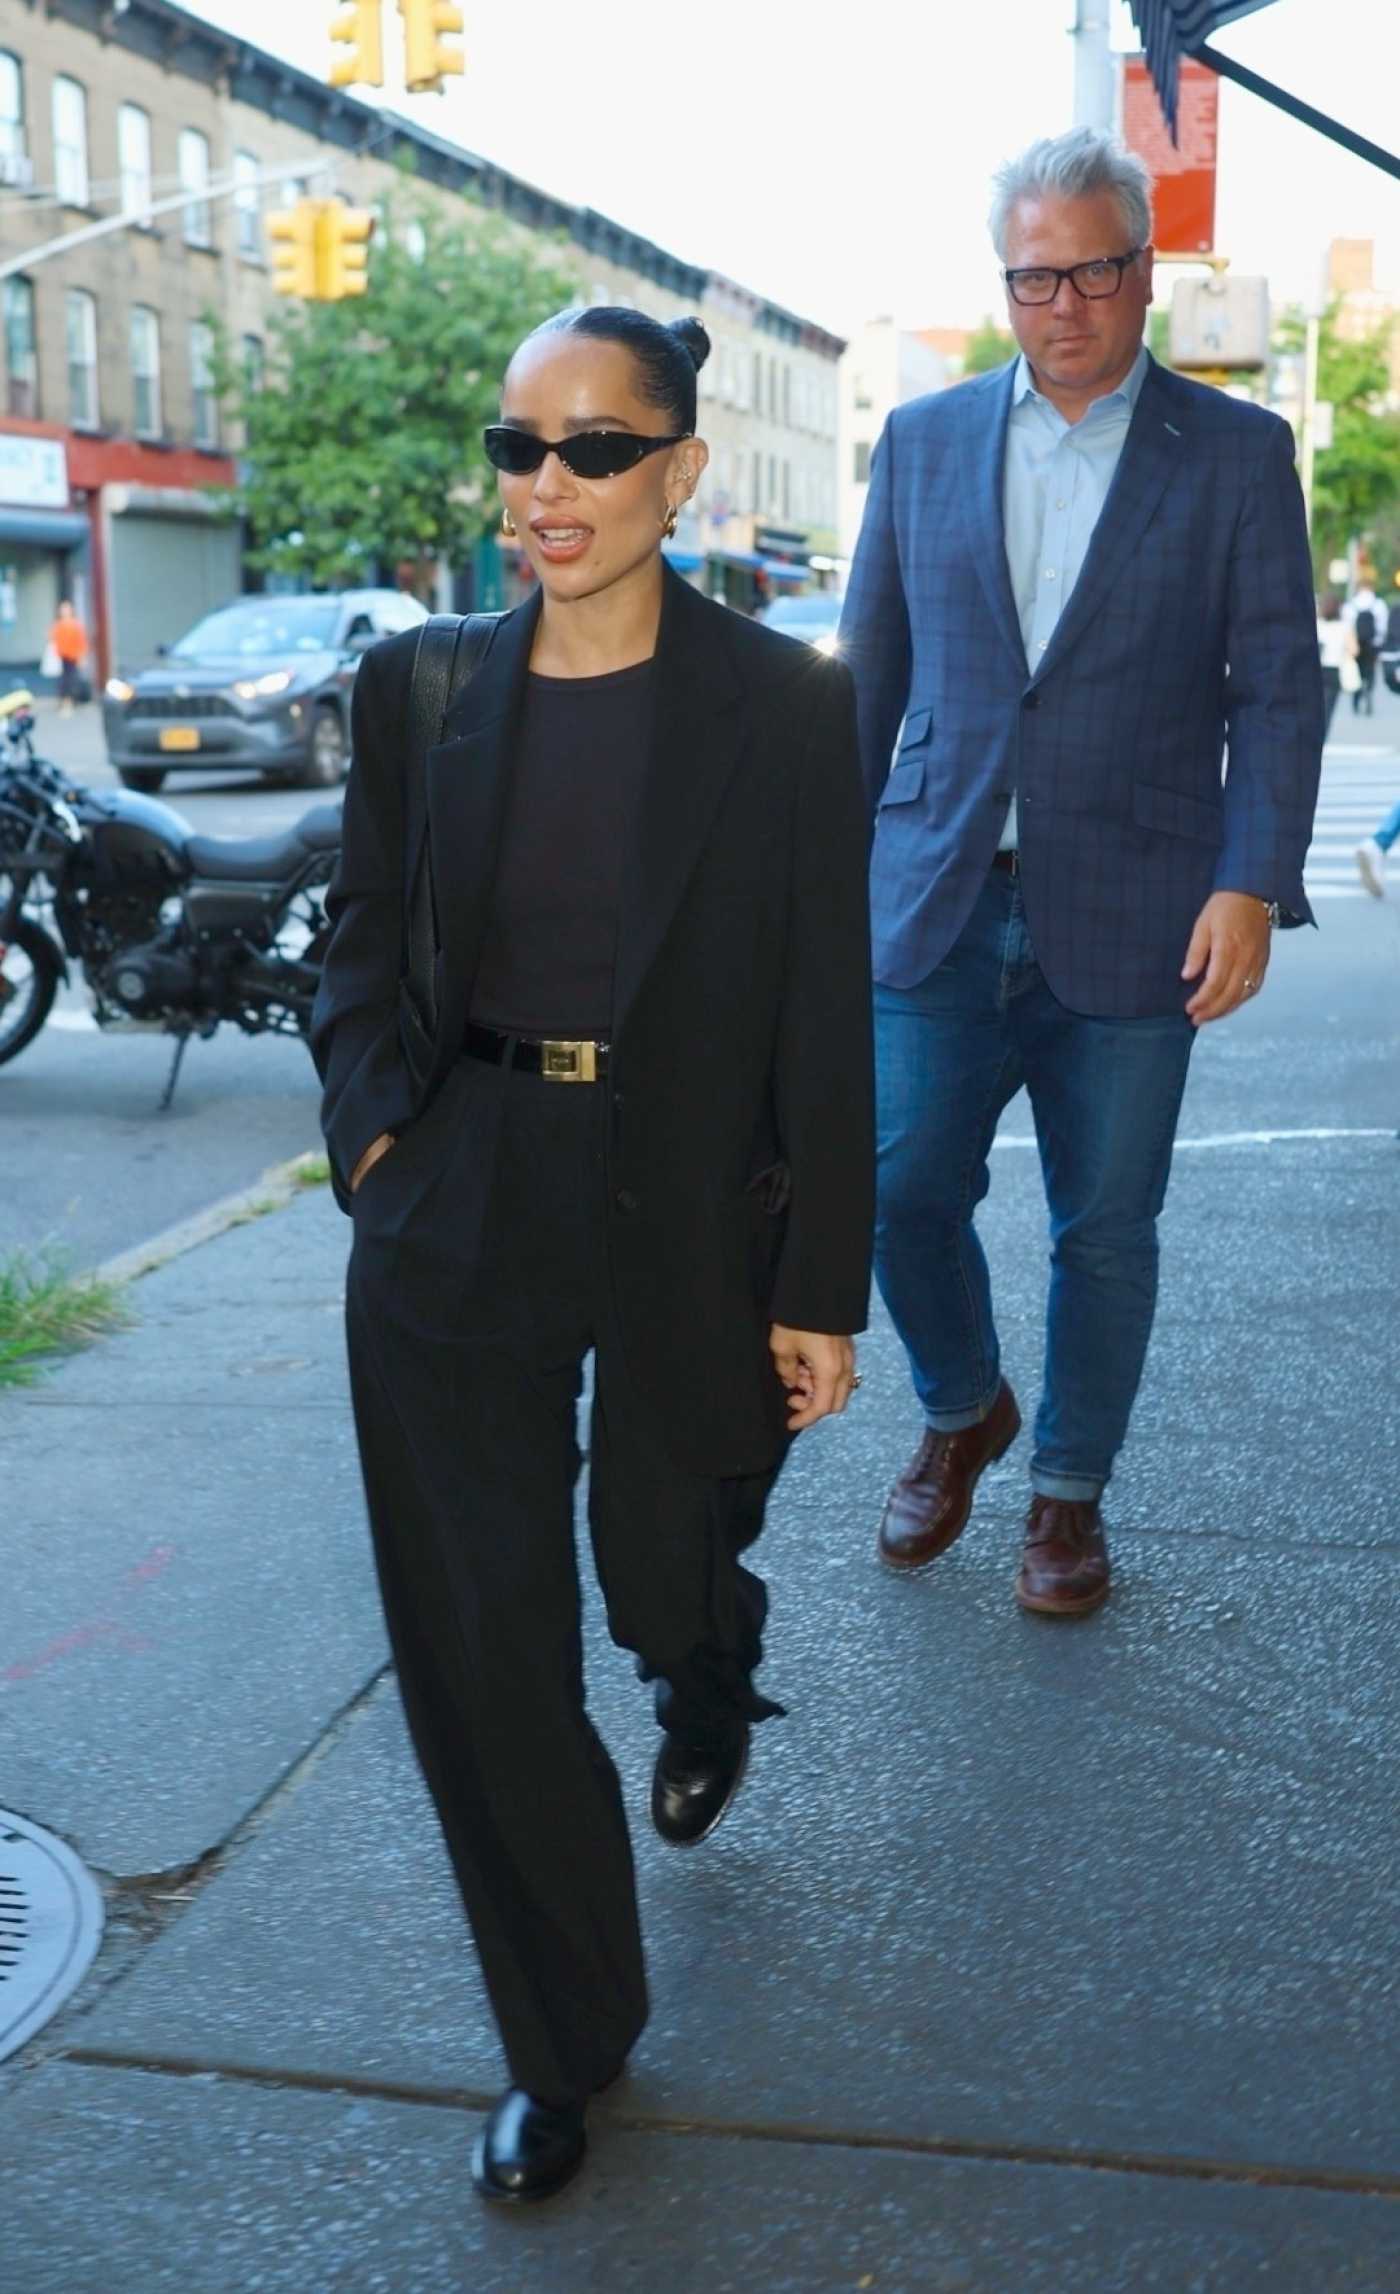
point(590, 454)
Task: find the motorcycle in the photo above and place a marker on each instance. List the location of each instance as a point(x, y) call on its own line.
point(172, 933)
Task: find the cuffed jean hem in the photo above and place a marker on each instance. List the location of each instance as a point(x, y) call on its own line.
point(958, 1421)
point(1077, 1489)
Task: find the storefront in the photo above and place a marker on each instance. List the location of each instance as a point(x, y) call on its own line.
point(44, 551)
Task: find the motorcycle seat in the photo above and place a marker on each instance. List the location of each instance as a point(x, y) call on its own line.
point(264, 859)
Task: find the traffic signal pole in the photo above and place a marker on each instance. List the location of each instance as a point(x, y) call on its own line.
point(1095, 80)
point(134, 217)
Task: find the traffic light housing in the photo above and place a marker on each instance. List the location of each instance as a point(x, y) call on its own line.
point(359, 26)
point(426, 57)
point(342, 251)
point(292, 232)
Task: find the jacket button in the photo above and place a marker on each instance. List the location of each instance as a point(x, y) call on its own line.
point(1030, 700)
point(626, 1200)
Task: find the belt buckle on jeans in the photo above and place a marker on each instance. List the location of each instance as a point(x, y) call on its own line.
point(568, 1062)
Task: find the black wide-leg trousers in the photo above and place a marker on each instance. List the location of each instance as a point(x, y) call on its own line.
point(478, 1284)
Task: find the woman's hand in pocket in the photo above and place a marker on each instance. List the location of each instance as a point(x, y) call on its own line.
point(376, 1148)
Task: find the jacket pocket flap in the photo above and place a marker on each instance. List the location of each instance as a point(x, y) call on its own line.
point(915, 728)
point(1175, 813)
point(904, 783)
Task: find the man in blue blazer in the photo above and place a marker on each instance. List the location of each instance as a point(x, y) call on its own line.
point(1080, 582)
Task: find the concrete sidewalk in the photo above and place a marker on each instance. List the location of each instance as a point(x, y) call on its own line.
point(1033, 1958)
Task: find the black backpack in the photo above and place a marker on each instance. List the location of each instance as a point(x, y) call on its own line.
point(1365, 626)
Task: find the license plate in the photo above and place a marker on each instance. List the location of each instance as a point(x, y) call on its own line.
point(180, 737)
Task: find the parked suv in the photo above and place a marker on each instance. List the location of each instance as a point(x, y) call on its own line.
point(262, 683)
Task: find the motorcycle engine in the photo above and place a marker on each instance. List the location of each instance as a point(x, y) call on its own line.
point(154, 977)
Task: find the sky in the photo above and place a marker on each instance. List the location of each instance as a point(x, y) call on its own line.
point(835, 155)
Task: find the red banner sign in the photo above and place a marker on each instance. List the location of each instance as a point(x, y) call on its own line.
point(1183, 173)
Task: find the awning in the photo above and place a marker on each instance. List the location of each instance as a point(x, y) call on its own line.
point(782, 569)
point(748, 560)
point(51, 529)
point(684, 561)
point(1171, 29)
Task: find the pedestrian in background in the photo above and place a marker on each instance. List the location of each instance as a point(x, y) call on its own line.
point(1372, 852)
point(639, 1120)
point(67, 644)
point(1076, 578)
point(1336, 648)
point(1365, 617)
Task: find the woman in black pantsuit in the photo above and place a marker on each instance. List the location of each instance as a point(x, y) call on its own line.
point(637, 1122)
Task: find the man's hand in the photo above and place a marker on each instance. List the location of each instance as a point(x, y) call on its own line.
point(818, 1371)
point(1228, 955)
point(370, 1157)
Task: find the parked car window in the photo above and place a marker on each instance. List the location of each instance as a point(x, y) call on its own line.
point(361, 626)
point(262, 626)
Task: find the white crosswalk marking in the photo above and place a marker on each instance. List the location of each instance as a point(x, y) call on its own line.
point(1359, 787)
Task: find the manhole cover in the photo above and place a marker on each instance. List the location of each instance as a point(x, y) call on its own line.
point(50, 1927)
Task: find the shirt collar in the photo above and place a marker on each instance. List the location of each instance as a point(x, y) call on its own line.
point(1127, 393)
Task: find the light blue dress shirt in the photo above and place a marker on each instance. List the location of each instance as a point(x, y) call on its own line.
point(1054, 485)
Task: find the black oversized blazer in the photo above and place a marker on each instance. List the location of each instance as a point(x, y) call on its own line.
point(741, 1154)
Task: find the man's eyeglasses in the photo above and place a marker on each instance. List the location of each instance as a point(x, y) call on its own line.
point(590, 454)
point(1038, 283)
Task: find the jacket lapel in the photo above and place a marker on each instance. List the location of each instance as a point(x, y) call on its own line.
point(1152, 453)
point(982, 506)
point(468, 778)
point(696, 739)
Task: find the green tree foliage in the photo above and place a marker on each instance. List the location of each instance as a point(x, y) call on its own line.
point(1356, 482)
point(363, 441)
point(988, 347)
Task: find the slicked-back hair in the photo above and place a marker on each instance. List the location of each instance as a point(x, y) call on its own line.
point(1075, 166)
point(667, 358)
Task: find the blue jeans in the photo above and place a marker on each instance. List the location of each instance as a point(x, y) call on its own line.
point(1105, 1095)
point(1389, 830)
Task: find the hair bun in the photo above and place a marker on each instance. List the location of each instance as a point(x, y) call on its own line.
point(693, 336)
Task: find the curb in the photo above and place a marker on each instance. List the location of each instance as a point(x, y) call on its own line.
point(272, 1192)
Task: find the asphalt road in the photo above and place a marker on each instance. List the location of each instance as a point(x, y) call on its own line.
point(93, 1167)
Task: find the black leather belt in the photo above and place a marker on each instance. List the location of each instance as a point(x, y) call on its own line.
point(1009, 859)
point(559, 1059)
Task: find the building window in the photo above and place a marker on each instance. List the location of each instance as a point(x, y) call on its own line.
point(787, 491)
point(202, 394)
point(757, 387)
point(134, 158)
point(787, 397)
point(13, 151)
point(145, 372)
point(70, 145)
point(80, 310)
point(757, 502)
point(861, 471)
point(21, 349)
point(860, 395)
point(194, 177)
point(247, 205)
point(254, 362)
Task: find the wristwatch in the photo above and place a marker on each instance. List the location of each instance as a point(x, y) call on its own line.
point(1270, 908)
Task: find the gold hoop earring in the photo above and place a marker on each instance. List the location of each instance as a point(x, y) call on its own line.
point(508, 527)
point(668, 523)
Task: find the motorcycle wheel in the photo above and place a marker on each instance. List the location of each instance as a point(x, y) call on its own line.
point(29, 975)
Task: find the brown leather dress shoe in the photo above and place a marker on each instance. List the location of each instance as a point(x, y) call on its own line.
point(929, 1505)
point(1064, 1568)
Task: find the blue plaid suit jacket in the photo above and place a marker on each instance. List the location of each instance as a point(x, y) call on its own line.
point(1191, 627)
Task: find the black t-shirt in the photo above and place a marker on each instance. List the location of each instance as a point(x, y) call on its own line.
point(546, 966)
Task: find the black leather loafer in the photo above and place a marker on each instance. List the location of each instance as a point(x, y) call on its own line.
point(528, 2150)
point(692, 1792)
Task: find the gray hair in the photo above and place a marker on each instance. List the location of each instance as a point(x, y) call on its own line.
point(1075, 166)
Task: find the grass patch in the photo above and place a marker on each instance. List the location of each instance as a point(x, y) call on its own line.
point(313, 1171)
point(45, 1311)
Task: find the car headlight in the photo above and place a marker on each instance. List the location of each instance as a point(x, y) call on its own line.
point(253, 688)
point(831, 643)
point(117, 689)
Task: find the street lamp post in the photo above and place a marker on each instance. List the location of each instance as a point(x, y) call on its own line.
point(1095, 81)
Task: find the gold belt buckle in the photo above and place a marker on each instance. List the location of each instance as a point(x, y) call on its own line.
point(569, 1062)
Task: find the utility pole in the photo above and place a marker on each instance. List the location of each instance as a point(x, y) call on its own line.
point(1095, 79)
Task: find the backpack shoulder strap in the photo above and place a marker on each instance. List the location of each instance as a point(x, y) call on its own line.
point(451, 648)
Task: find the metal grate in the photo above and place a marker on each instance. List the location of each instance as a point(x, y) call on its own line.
point(50, 1927)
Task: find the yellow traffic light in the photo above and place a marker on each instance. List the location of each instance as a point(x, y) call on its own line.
point(426, 57)
point(342, 251)
point(292, 231)
point(359, 26)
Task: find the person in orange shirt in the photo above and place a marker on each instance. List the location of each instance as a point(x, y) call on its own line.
point(69, 641)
